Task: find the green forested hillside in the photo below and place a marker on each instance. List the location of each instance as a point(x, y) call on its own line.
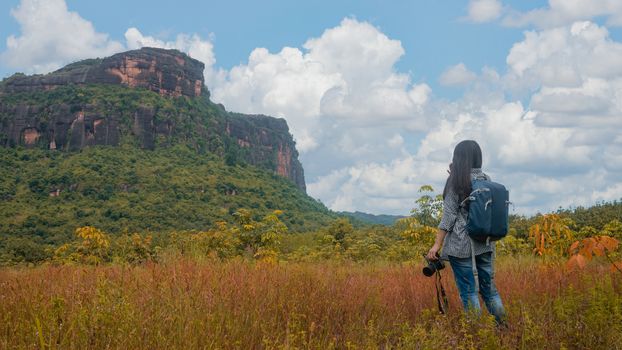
point(125, 188)
point(595, 218)
point(142, 154)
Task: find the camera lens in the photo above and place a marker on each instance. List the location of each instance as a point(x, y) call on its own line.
point(428, 270)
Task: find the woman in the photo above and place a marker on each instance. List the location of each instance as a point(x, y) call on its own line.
point(453, 237)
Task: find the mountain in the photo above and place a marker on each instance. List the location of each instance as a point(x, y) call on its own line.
point(151, 97)
point(133, 142)
point(381, 219)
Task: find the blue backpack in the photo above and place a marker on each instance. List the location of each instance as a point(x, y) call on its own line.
point(488, 211)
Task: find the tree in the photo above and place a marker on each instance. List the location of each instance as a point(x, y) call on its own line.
point(261, 239)
point(271, 233)
point(92, 247)
point(613, 229)
point(429, 208)
point(134, 248)
point(551, 235)
point(416, 233)
point(339, 229)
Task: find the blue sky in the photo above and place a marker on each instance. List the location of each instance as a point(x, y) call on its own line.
point(377, 93)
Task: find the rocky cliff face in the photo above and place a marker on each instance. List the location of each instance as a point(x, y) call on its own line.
point(62, 129)
point(268, 142)
point(167, 72)
point(71, 124)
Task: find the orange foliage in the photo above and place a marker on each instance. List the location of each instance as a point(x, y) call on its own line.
point(584, 250)
point(550, 235)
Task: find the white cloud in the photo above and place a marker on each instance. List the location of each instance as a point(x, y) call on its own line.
point(484, 10)
point(576, 73)
point(613, 191)
point(511, 140)
point(396, 141)
point(591, 97)
point(563, 12)
point(286, 84)
point(346, 73)
point(367, 187)
point(564, 56)
point(535, 163)
point(52, 36)
point(457, 75)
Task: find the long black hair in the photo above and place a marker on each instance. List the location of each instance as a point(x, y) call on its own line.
point(467, 155)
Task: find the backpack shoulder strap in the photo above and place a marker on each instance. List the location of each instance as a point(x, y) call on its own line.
point(475, 273)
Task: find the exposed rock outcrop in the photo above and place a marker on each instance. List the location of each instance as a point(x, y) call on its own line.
point(61, 128)
point(63, 123)
point(167, 72)
point(270, 143)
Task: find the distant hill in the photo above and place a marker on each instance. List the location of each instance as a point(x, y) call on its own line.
point(371, 218)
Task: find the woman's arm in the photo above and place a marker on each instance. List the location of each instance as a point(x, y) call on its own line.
point(438, 243)
point(450, 214)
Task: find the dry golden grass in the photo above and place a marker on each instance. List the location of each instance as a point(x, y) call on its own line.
point(185, 304)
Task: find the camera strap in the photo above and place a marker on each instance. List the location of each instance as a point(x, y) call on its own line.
point(441, 296)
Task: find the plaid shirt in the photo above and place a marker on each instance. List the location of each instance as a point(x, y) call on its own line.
point(457, 242)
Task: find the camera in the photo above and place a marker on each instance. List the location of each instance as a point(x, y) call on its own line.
point(433, 266)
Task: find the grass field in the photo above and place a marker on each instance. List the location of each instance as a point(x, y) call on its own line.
point(186, 304)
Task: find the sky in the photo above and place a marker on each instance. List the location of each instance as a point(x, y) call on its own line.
point(378, 93)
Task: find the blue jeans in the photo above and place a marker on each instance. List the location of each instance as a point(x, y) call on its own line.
point(465, 280)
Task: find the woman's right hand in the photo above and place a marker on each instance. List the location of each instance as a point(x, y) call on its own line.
point(438, 242)
point(433, 253)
